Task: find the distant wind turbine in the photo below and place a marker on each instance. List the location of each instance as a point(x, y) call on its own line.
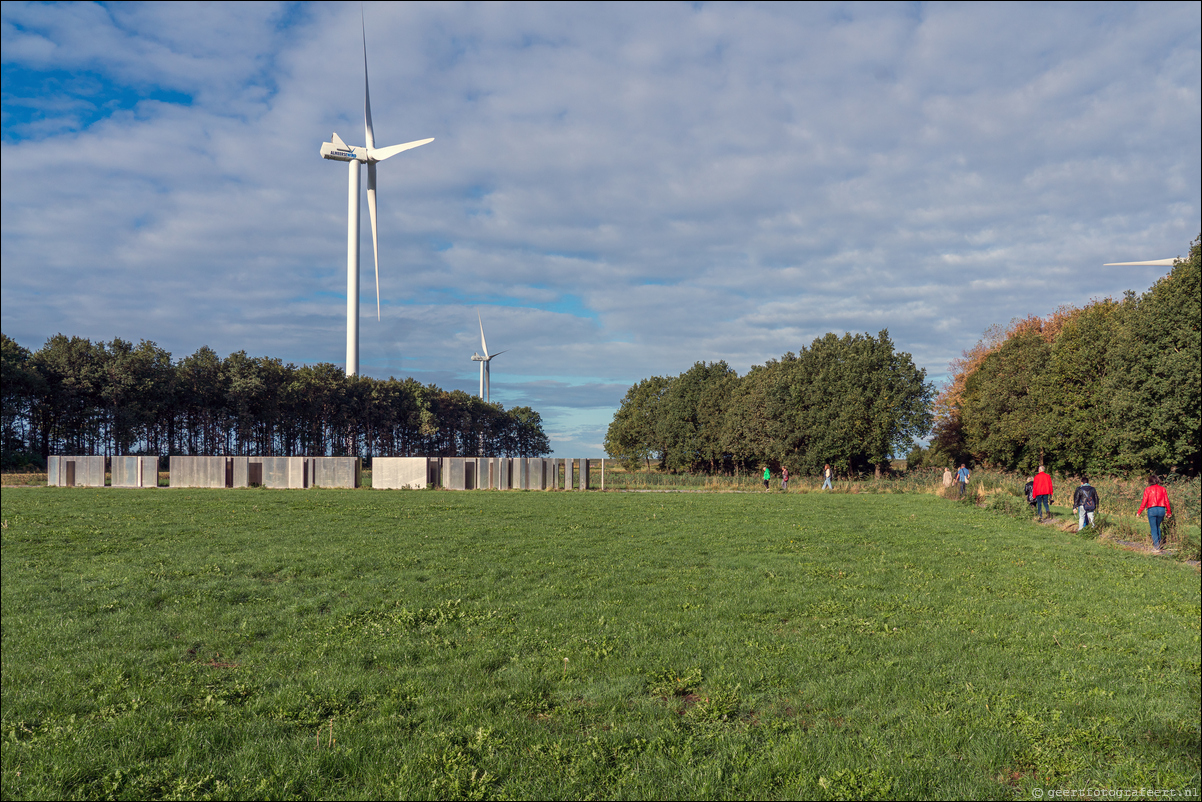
point(340, 151)
point(485, 377)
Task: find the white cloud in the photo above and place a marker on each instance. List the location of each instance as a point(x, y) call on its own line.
point(620, 190)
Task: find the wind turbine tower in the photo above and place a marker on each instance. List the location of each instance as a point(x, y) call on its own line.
point(355, 156)
point(485, 376)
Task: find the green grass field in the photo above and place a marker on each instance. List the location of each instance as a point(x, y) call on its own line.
point(206, 644)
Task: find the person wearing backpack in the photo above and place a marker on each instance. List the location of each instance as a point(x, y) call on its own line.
point(1085, 503)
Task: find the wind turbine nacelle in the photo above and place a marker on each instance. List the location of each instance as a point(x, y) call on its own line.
point(342, 153)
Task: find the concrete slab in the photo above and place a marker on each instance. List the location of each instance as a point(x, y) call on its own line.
point(494, 473)
point(483, 473)
point(242, 472)
point(134, 471)
point(197, 471)
point(67, 471)
point(521, 474)
point(150, 471)
point(298, 472)
point(124, 471)
point(334, 471)
point(538, 473)
point(276, 471)
point(506, 473)
point(395, 473)
point(583, 475)
point(454, 476)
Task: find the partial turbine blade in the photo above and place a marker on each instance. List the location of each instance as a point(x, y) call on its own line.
point(1153, 262)
point(338, 141)
point(375, 240)
point(380, 154)
point(371, 137)
point(483, 344)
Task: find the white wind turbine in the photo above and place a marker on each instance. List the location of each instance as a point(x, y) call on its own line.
point(340, 151)
point(1152, 262)
point(485, 377)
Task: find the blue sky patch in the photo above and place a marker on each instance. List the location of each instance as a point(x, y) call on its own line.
point(42, 103)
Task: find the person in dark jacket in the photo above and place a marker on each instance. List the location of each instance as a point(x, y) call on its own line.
point(1085, 503)
point(1027, 488)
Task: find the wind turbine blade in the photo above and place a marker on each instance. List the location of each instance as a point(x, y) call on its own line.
point(375, 240)
point(483, 344)
point(1154, 262)
point(498, 353)
point(338, 141)
point(380, 154)
point(371, 136)
point(487, 384)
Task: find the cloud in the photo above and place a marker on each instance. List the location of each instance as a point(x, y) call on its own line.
point(620, 191)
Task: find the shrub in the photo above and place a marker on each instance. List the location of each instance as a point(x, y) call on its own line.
point(1007, 504)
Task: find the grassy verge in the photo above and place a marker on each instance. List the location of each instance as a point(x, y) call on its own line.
point(193, 644)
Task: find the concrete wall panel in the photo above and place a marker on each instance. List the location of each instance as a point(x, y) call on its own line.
point(394, 473)
point(521, 474)
point(68, 471)
point(335, 471)
point(135, 471)
point(537, 473)
point(241, 471)
point(197, 471)
point(275, 471)
point(150, 471)
point(506, 466)
point(454, 475)
point(124, 472)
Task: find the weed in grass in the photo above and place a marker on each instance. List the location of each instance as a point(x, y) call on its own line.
point(669, 683)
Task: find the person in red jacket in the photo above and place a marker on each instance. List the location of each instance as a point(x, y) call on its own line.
point(1042, 490)
point(1156, 502)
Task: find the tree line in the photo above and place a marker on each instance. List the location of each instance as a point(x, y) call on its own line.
point(1110, 388)
point(849, 401)
point(73, 396)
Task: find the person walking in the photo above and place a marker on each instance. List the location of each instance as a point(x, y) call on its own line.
point(784, 479)
point(1085, 503)
point(826, 471)
point(1042, 490)
point(1156, 502)
point(767, 476)
point(962, 477)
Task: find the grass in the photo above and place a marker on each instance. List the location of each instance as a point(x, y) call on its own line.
point(198, 644)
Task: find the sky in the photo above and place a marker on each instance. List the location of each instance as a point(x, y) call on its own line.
point(617, 190)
